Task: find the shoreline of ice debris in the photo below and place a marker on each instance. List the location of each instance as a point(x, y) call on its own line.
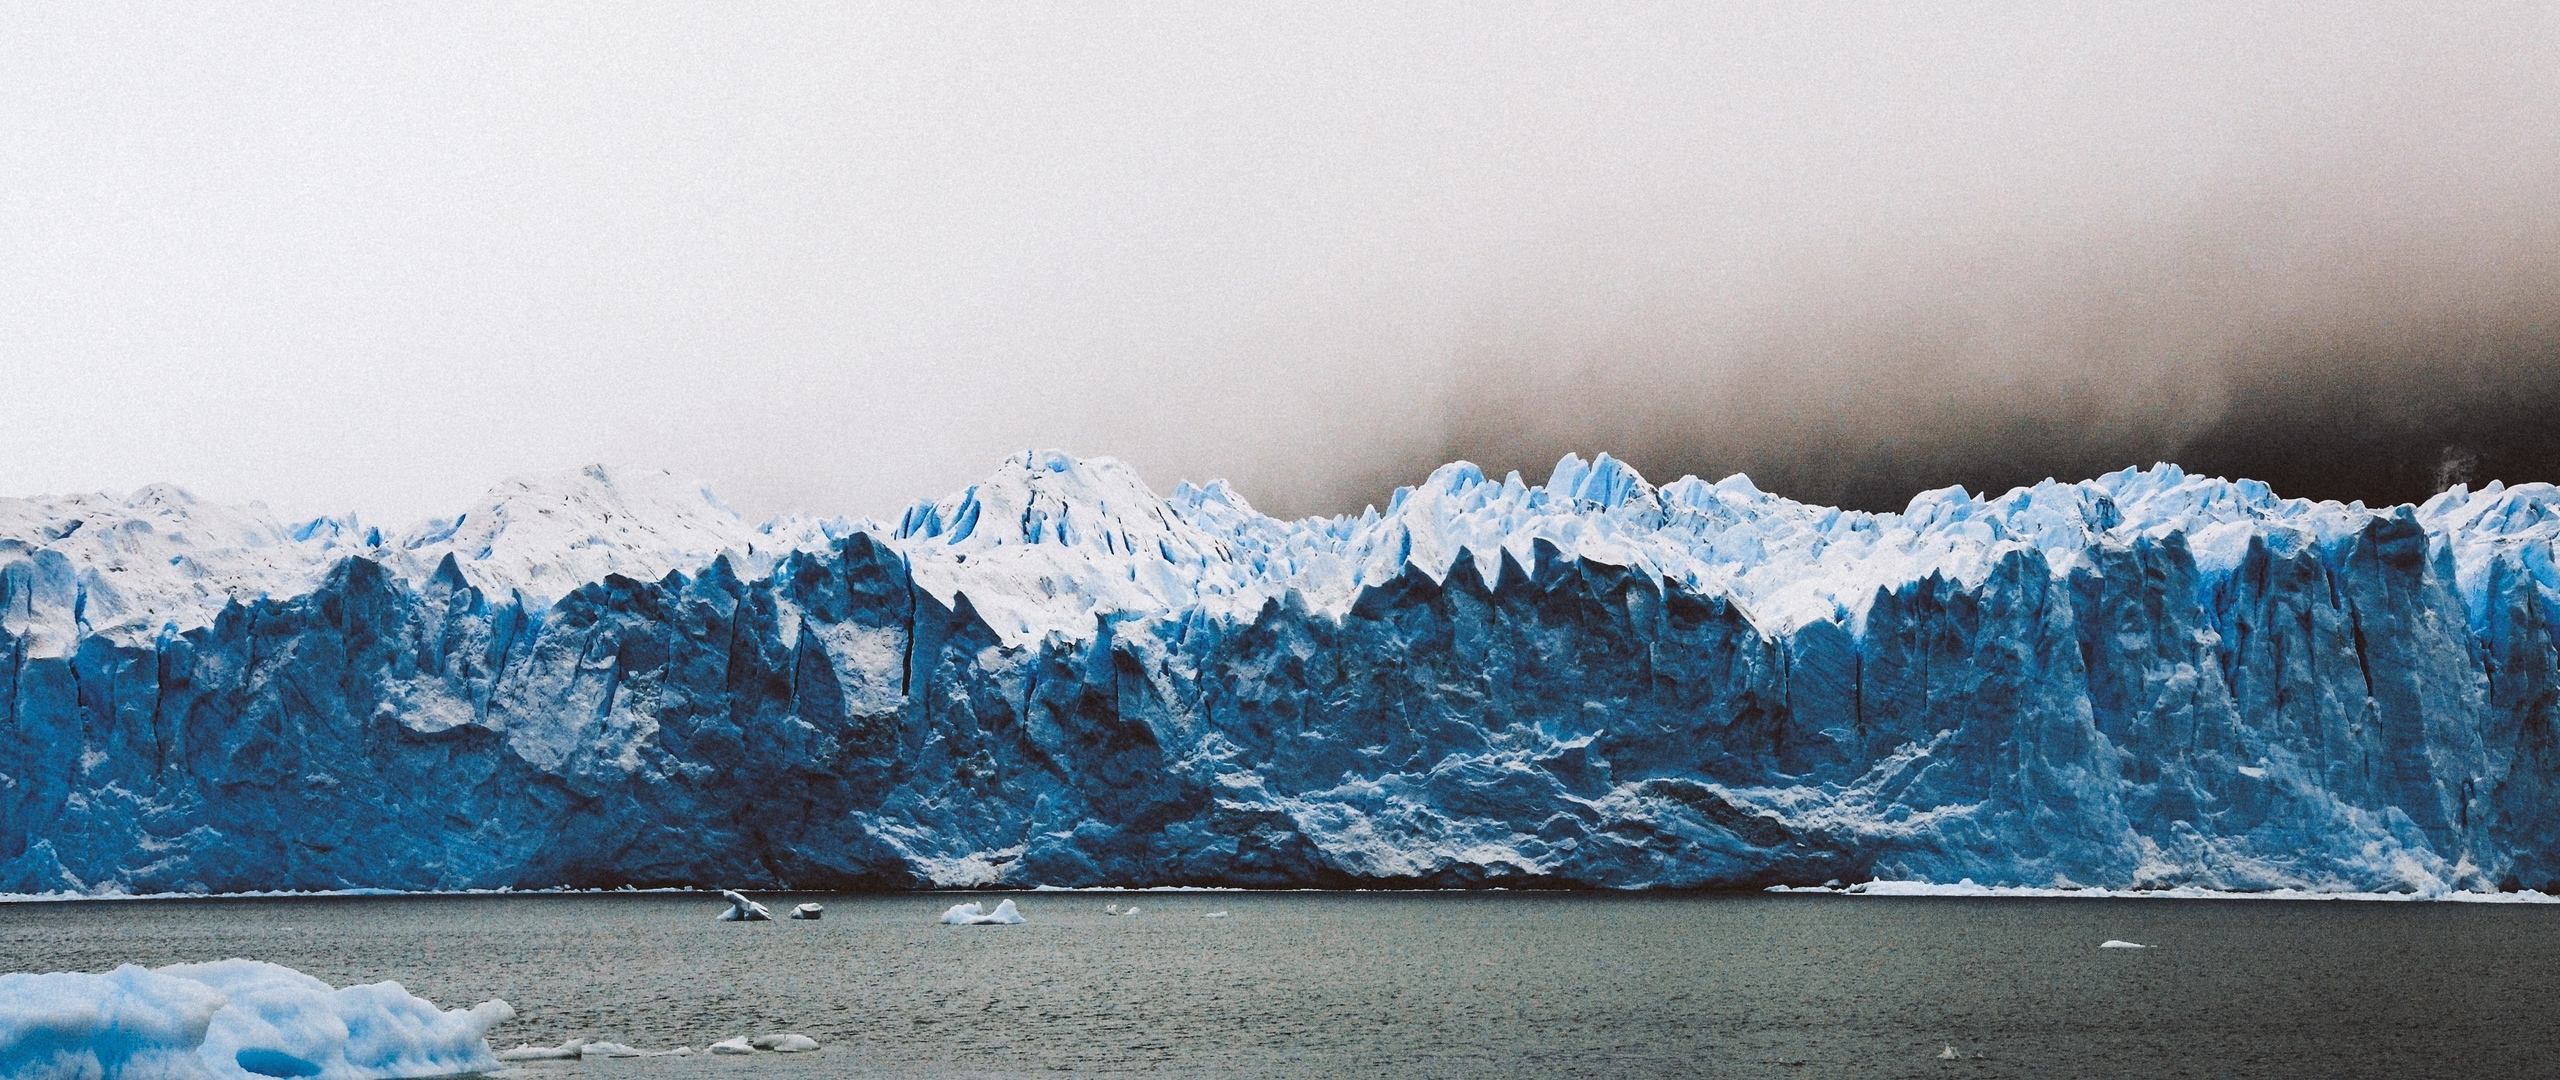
point(1893, 889)
point(327, 894)
point(626, 890)
point(1967, 889)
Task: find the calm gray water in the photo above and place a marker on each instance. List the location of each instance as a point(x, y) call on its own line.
point(1474, 985)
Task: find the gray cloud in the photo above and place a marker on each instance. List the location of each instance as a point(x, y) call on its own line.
point(2236, 338)
point(836, 258)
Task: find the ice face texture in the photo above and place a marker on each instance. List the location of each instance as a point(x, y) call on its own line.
point(1058, 677)
point(232, 1020)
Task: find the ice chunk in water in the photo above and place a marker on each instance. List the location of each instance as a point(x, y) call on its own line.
point(618, 1050)
point(733, 1046)
point(808, 911)
point(970, 914)
point(130, 1020)
point(742, 909)
point(232, 1019)
point(528, 1052)
point(785, 1043)
point(2113, 944)
point(583, 1048)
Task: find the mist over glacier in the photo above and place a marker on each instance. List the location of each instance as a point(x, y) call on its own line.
point(1058, 677)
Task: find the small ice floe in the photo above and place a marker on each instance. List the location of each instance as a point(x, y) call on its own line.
point(2114, 944)
point(742, 909)
point(808, 911)
point(784, 1043)
point(970, 914)
point(572, 1049)
point(577, 1049)
point(1213, 915)
point(1949, 1054)
point(617, 1050)
point(1115, 909)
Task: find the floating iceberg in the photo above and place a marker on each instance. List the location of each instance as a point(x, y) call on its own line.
point(809, 911)
point(567, 1051)
point(2146, 681)
point(734, 1046)
point(786, 1043)
point(1213, 915)
point(579, 1049)
point(232, 1019)
point(742, 909)
point(2113, 944)
point(970, 914)
point(618, 1050)
point(1115, 909)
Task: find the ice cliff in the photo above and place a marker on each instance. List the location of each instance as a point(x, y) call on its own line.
point(1059, 677)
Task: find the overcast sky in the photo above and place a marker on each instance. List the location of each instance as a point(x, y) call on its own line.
point(838, 257)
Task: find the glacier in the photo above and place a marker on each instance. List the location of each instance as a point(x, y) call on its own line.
point(1058, 677)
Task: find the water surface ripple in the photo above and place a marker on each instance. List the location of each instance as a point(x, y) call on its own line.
point(1423, 985)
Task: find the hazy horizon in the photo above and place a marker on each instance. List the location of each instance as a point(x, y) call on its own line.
point(753, 516)
point(836, 259)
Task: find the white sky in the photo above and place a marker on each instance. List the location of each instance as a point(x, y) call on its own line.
point(837, 257)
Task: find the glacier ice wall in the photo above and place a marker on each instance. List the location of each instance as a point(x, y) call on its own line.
point(1058, 677)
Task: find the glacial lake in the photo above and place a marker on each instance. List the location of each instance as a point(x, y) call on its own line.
point(1338, 986)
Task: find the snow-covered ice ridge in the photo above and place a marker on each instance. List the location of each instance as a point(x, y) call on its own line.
point(1057, 677)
